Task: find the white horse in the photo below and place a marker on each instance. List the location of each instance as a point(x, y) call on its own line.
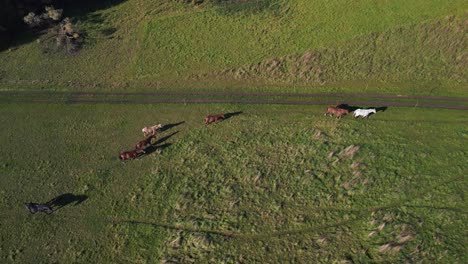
point(364, 112)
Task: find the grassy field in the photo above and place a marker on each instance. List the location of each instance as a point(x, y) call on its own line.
point(275, 183)
point(271, 184)
point(393, 46)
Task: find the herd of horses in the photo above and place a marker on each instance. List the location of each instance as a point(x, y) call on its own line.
point(342, 110)
point(151, 132)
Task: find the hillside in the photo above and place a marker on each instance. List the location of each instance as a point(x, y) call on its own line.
point(395, 46)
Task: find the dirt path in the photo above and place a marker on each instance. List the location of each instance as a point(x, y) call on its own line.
point(443, 102)
point(394, 96)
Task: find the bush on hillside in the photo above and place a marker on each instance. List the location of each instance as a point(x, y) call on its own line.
point(68, 38)
point(62, 31)
point(54, 14)
point(33, 20)
point(50, 15)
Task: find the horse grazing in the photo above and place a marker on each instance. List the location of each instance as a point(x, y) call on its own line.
point(35, 207)
point(145, 142)
point(338, 112)
point(213, 118)
point(151, 130)
point(364, 112)
point(133, 154)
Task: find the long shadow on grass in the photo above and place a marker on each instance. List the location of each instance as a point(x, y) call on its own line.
point(163, 139)
point(229, 115)
point(153, 148)
point(352, 108)
point(66, 199)
point(157, 145)
point(169, 126)
point(381, 109)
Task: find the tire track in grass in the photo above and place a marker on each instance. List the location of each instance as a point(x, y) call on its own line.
point(252, 94)
point(234, 101)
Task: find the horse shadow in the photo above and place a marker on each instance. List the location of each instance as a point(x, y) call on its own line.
point(169, 126)
point(66, 199)
point(381, 109)
point(163, 139)
point(350, 108)
point(153, 148)
point(159, 144)
point(229, 115)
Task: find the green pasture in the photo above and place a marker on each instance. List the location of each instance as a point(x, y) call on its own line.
point(272, 184)
point(377, 46)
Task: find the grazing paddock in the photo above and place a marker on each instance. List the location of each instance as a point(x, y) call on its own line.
point(275, 183)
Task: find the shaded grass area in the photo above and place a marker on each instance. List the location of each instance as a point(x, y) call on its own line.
point(141, 45)
point(272, 184)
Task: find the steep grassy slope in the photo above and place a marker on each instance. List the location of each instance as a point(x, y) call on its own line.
point(271, 184)
point(431, 56)
point(139, 45)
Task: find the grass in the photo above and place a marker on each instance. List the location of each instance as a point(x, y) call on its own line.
point(138, 45)
point(273, 184)
point(276, 183)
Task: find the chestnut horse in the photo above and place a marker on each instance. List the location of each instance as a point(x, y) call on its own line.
point(338, 112)
point(213, 118)
point(145, 142)
point(132, 154)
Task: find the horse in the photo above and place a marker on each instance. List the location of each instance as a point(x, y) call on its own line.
point(213, 118)
point(132, 154)
point(145, 142)
point(338, 112)
point(364, 112)
point(151, 130)
point(35, 207)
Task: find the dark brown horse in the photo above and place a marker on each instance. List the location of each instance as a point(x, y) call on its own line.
point(145, 142)
point(338, 112)
point(132, 154)
point(213, 118)
point(35, 207)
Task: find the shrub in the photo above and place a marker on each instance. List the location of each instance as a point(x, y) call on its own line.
point(50, 15)
point(33, 20)
point(54, 14)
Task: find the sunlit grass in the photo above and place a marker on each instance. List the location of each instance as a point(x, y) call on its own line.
point(272, 184)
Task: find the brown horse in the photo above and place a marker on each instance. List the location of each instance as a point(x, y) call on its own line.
point(145, 142)
point(338, 112)
point(132, 154)
point(213, 118)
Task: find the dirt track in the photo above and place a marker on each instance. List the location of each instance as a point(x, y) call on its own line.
point(307, 99)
